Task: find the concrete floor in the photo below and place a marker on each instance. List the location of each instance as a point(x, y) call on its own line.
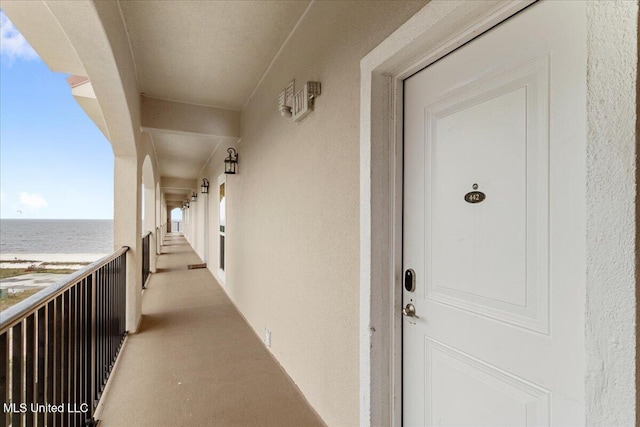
point(195, 361)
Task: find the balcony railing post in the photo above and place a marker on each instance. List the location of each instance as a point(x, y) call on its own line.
point(94, 345)
point(49, 374)
point(42, 360)
point(30, 334)
point(58, 357)
point(16, 370)
point(73, 337)
point(4, 374)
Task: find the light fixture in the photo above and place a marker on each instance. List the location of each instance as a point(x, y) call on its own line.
point(205, 186)
point(285, 100)
point(298, 104)
point(231, 162)
point(187, 203)
point(194, 197)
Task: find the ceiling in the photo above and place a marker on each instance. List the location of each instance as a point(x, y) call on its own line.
point(210, 53)
point(207, 53)
point(184, 155)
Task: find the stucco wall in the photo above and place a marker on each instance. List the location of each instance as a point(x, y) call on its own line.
point(611, 210)
point(207, 206)
point(293, 211)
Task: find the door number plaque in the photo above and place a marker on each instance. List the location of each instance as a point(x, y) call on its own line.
point(474, 196)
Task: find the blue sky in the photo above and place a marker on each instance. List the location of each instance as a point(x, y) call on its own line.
point(54, 161)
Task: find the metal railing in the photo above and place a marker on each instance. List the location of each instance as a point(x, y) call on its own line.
point(145, 259)
point(58, 347)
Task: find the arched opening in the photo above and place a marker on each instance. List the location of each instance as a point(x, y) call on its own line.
point(176, 220)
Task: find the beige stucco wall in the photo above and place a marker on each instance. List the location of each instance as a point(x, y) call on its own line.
point(612, 234)
point(293, 211)
point(209, 207)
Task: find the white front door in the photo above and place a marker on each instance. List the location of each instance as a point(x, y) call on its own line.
point(494, 227)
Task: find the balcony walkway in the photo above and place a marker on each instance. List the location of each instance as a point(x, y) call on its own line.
point(195, 361)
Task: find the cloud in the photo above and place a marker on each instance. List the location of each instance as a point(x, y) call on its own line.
point(12, 44)
point(33, 201)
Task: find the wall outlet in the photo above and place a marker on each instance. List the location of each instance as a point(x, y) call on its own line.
point(267, 337)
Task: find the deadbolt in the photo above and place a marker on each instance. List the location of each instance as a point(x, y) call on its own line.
point(410, 280)
point(409, 311)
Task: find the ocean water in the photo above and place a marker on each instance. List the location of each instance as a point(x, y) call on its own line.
point(56, 236)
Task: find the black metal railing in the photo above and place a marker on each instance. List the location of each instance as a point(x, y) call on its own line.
point(145, 259)
point(58, 347)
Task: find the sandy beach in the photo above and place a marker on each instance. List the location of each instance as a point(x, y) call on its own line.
point(44, 268)
point(51, 261)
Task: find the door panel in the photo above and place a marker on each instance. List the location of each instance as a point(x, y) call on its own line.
point(491, 136)
point(494, 227)
point(493, 397)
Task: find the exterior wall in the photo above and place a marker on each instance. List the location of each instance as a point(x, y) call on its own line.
point(293, 210)
point(197, 229)
point(610, 312)
point(212, 172)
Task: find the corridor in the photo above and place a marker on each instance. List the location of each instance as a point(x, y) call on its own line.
point(195, 361)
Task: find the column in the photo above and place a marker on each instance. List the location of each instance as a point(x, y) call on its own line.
point(127, 231)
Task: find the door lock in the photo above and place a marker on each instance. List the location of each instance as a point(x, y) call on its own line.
point(410, 280)
point(409, 311)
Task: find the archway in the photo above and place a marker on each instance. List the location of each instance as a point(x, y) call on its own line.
point(176, 220)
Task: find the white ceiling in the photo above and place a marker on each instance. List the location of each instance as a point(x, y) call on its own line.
point(184, 155)
point(209, 53)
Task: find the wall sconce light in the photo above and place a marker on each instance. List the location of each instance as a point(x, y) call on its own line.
point(204, 188)
point(231, 162)
point(194, 197)
point(300, 104)
point(285, 100)
point(187, 204)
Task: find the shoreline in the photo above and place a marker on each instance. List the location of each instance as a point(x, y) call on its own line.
point(78, 257)
point(50, 261)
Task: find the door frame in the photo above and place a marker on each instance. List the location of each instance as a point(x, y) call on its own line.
point(435, 31)
point(222, 273)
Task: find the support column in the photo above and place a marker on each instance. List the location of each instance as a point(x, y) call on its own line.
point(186, 222)
point(159, 227)
point(128, 232)
point(150, 222)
